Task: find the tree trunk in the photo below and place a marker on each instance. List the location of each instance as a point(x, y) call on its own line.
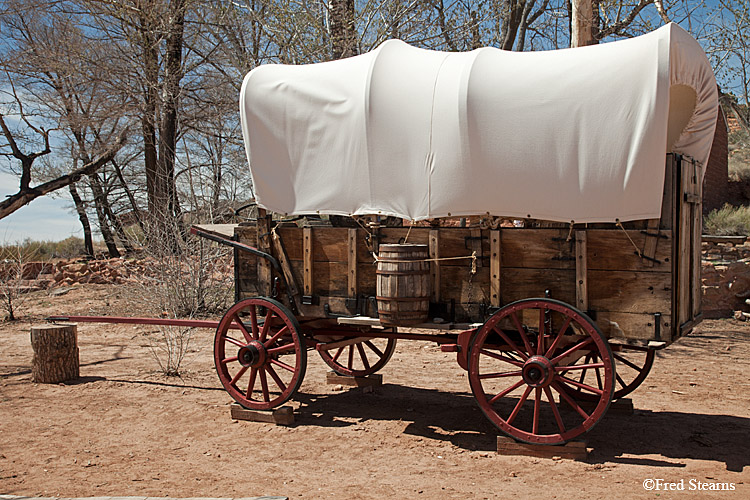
point(109, 240)
point(129, 193)
point(343, 33)
point(55, 353)
point(582, 23)
point(88, 242)
point(148, 119)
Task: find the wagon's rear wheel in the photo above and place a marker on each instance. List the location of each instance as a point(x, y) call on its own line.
point(259, 353)
point(526, 355)
point(633, 365)
point(357, 359)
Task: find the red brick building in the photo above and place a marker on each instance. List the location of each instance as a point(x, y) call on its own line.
point(716, 180)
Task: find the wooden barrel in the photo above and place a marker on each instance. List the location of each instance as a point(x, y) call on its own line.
point(403, 284)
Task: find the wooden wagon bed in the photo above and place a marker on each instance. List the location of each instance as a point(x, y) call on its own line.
point(632, 279)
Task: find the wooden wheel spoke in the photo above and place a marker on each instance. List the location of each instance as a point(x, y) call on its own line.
point(282, 365)
point(499, 375)
point(564, 369)
point(363, 356)
point(229, 360)
point(350, 360)
point(338, 353)
point(520, 403)
point(500, 357)
point(374, 348)
point(620, 380)
point(570, 351)
point(276, 378)
point(254, 321)
point(251, 383)
point(627, 362)
point(522, 333)
point(584, 387)
point(507, 391)
point(511, 344)
point(276, 336)
point(542, 331)
point(583, 372)
point(266, 325)
point(570, 401)
point(282, 349)
point(537, 404)
point(555, 411)
point(264, 386)
point(234, 341)
point(243, 328)
point(558, 337)
point(598, 378)
point(239, 375)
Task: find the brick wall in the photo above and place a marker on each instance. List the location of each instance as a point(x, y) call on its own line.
point(716, 180)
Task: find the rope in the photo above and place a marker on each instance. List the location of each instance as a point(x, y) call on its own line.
point(473, 258)
point(409, 232)
point(637, 250)
point(570, 232)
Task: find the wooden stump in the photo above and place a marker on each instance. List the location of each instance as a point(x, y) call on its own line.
point(55, 353)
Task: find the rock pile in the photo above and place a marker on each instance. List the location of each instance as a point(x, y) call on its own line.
point(42, 275)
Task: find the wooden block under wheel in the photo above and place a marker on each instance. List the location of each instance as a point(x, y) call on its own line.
point(576, 450)
point(279, 416)
point(373, 380)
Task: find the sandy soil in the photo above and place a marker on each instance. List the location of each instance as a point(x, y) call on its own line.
point(125, 429)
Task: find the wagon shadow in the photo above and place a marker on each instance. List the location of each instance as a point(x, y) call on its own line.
point(456, 418)
point(675, 435)
point(428, 413)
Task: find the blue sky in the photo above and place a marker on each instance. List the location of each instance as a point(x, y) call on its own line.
point(45, 218)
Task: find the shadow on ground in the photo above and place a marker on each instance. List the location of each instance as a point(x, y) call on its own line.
point(456, 418)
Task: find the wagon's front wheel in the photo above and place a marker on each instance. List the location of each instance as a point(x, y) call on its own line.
point(525, 357)
point(259, 353)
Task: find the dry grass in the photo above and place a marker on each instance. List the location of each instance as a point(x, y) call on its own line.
point(728, 221)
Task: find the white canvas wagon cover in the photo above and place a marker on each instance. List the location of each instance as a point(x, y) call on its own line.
point(575, 134)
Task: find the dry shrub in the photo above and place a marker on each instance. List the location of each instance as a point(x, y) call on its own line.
point(728, 221)
point(15, 271)
point(190, 278)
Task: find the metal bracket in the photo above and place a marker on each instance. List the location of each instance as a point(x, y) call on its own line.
point(657, 326)
point(642, 256)
point(310, 300)
point(329, 314)
point(655, 235)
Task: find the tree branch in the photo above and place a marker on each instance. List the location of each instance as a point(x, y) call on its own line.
point(24, 196)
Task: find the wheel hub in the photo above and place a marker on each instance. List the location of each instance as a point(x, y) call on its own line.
point(252, 355)
point(537, 371)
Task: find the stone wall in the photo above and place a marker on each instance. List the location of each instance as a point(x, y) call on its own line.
point(726, 277)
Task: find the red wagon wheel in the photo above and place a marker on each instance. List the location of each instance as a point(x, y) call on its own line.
point(357, 359)
point(259, 353)
point(633, 366)
point(525, 355)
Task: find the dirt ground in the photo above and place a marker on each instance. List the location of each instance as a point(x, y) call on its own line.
point(125, 429)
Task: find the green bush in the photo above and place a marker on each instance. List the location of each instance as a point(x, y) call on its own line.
point(69, 248)
point(728, 221)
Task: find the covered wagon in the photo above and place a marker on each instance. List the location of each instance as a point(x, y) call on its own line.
point(550, 208)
